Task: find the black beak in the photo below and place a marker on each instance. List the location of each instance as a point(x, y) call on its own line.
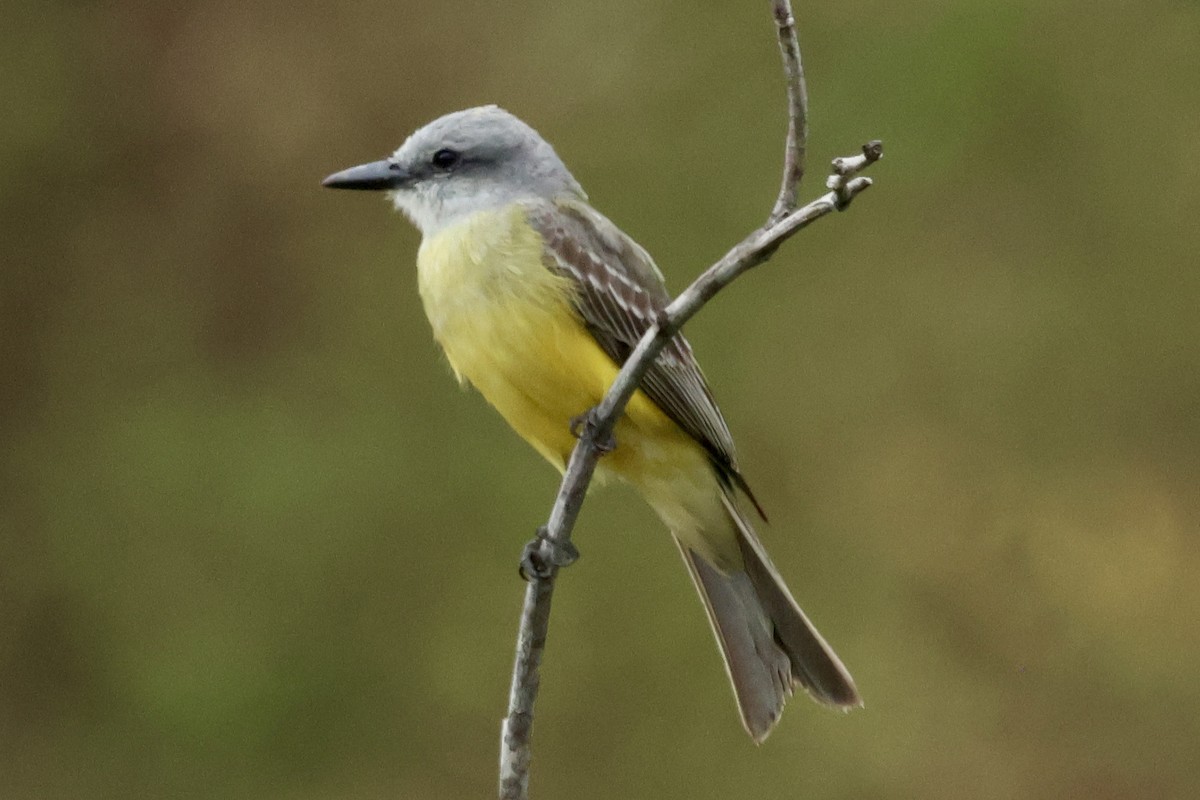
point(377, 175)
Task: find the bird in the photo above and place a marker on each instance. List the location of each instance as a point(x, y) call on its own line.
point(537, 299)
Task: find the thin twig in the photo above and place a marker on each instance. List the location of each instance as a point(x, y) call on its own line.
point(844, 170)
point(596, 434)
point(515, 750)
point(796, 145)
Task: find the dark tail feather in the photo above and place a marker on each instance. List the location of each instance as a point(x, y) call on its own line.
point(768, 643)
point(757, 668)
point(814, 665)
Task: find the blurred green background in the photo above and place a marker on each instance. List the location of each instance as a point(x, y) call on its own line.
point(255, 544)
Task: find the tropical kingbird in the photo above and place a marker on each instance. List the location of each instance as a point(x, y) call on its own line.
point(537, 299)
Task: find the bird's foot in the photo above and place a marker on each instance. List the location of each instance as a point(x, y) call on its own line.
point(584, 425)
point(542, 555)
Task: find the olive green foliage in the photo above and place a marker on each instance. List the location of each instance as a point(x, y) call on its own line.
point(255, 544)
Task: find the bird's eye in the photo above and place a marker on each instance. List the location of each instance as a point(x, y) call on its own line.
point(445, 158)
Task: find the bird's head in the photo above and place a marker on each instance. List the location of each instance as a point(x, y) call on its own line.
point(469, 161)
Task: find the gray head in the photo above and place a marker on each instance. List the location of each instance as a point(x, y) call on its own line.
point(469, 161)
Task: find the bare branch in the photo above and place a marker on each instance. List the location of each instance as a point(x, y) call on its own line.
point(844, 170)
point(553, 549)
point(515, 751)
point(535, 615)
point(796, 146)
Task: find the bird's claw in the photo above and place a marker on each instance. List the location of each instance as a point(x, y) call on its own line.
point(543, 555)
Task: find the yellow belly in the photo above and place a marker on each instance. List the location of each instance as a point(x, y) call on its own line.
point(508, 327)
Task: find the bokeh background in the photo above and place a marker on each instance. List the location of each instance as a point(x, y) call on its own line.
point(254, 543)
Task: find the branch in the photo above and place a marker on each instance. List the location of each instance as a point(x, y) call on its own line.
point(553, 549)
point(796, 145)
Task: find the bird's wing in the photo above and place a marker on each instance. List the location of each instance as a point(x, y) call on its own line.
point(620, 294)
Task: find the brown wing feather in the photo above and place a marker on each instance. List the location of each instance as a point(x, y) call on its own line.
point(621, 293)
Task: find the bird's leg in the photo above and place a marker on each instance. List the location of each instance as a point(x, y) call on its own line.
point(584, 425)
point(542, 555)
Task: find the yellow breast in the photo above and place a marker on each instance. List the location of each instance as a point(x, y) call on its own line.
point(508, 327)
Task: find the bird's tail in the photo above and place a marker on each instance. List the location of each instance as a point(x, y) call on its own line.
point(768, 643)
